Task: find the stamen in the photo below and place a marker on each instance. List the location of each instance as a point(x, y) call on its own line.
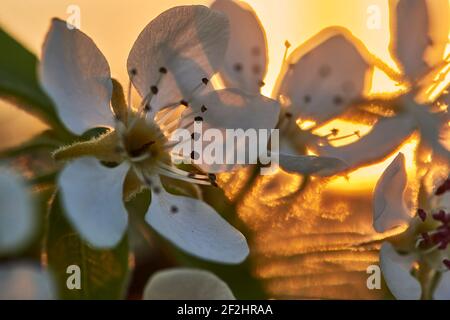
point(182, 172)
point(422, 214)
point(356, 133)
point(130, 81)
point(170, 174)
point(445, 187)
point(446, 263)
point(287, 45)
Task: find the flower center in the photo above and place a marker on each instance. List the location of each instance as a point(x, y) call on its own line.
point(143, 144)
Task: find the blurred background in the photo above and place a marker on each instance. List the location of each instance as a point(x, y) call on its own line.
point(316, 245)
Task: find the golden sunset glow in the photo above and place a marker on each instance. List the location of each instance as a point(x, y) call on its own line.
point(309, 237)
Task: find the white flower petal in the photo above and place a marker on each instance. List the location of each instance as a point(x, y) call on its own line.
point(321, 83)
point(195, 227)
point(246, 59)
point(25, 281)
point(397, 273)
point(233, 109)
point(76, 76)
point(442, 291)
point(186, 284)
point(92, 198)
point(17, 219)
point(189, 42)
point(385, 137)
point(410, 41)
point(311, 165)
point(389, 205)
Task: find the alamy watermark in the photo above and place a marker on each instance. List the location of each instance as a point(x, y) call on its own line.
point(221, 147)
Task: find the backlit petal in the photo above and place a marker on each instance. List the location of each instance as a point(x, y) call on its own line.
point(246, 60)
point(92, 197)
point(76, 75)
point(195, 227)
point(389, 205)
point(397, 273)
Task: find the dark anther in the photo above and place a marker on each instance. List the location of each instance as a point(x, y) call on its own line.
point(307, 99)
point(198, 119)
point(154, 89)
point(195, 136)
point(203, 109)
point(156, 190)
point(334, 132)
point(173, 209)
point(212, 177)
point(147, 108)
point(337, 100)
point(205, 81)
point(148, 181)
point(443, 188)
point(288, 115)
point(426, 239)
point(133, 72)
point(261, 83)
point(184, 103)
point(422, 214)
point(194, 155)
point(163, 70)
point(238, 67)
point(446, 263)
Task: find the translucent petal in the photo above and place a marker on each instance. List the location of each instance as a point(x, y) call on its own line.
point(246, 59)
point(385, 137)
point(389, 205)
point(92, 197)
point(76, 76)
point(187, 42)
point(195, 227)
point(324, 77)
point(397, 273)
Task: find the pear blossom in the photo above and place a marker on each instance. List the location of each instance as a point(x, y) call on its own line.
point(170, 65)
point(318, 82)
point(415, 263)
point(186, 284)
point(418, 49)
point(332, 80)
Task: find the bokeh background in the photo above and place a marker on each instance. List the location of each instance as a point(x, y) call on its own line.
point(314, 245)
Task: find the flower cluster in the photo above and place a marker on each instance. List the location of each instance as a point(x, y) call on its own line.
point(111, 152)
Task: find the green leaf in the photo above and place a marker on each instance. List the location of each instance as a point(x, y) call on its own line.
point(19, 83)
point(104, 273)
